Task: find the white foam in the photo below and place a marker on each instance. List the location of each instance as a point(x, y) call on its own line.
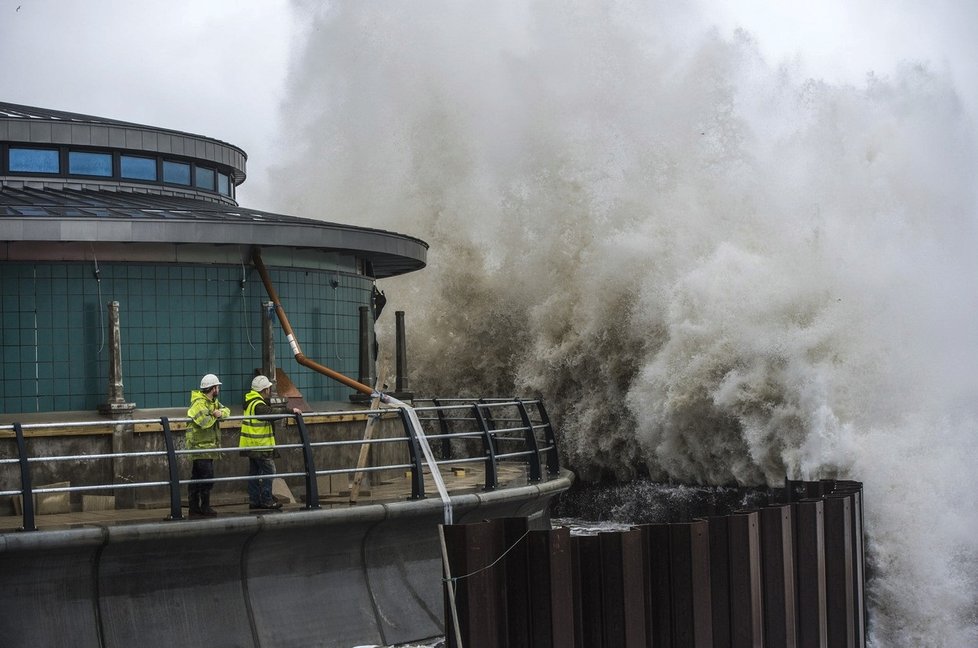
point(710, 266)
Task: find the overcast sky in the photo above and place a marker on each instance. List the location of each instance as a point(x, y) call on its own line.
point(214, 68)
point(219, 67)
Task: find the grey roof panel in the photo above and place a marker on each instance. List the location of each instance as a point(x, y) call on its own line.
point(71, 215)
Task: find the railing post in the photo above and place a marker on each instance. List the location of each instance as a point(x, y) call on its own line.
point(312, 485)
point(446, 444)
point(171, 459)
point(417, 470)
point(488, 447)
point(531, 443)
point(490, 424)
point(26, 491)
point(553, 460)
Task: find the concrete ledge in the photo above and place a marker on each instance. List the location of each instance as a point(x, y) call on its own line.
point(339, 577)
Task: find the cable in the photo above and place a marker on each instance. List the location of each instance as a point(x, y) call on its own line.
point(244, 307)
point(482, 569)
point(101, 324)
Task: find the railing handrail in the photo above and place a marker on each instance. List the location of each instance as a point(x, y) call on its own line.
point(415, 438)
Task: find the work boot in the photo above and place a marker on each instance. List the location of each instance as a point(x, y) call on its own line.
point(205, 506)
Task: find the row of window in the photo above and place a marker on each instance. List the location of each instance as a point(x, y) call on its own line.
point(104, 164)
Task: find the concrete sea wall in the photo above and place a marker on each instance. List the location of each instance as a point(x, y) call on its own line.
point(368, 574)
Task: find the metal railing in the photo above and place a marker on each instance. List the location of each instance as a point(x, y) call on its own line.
point(486, 431)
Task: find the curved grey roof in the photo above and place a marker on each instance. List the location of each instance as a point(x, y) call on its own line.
point(66, 215)
point(28, 124)
point(61, 208)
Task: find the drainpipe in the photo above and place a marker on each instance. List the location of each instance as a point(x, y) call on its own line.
point(412, 415)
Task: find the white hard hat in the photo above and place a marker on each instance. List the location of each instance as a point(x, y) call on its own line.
point(260, 383)
point(209, 381)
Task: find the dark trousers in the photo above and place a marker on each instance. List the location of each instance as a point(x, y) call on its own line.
point(202, 469)
point(260, 490)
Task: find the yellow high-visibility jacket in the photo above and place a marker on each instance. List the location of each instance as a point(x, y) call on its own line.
point(203, 431)
point(256, 432)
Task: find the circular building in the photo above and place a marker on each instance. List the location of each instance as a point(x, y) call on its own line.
point(95, 211)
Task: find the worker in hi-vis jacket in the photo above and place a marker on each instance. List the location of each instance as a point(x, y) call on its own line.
point(257, 442)
point(203, 433)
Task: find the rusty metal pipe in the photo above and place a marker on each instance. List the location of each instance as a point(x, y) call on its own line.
point(415, 423)
point(290, 335)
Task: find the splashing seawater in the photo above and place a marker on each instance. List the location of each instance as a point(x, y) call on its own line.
point(714, 270)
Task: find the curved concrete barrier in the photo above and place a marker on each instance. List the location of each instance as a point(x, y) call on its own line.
point(369, 574)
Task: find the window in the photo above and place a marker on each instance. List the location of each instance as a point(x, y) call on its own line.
point(26, 160)
point(205, 178)
point(223, 184)
point(176, 172)
point(90, 164)
point(138, 168)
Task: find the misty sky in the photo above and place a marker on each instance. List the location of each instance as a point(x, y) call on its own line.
point(219, 68)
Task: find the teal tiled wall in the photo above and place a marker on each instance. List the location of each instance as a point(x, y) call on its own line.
point(177, 323)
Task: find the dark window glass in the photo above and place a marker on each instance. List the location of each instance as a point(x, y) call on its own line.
point(205, 178)
point(91, 164)
point(223, 184)
point(138, 168)
point(176, 172)
point(25, 160)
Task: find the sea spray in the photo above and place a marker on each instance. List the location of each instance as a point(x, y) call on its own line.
point(715, 270)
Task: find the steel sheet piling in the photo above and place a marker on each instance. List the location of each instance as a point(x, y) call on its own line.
point(810, 571)
point(588, 590)
point(746, 611)
point(623, 595)
point(855, 490)
point(551, 591)
point(692, 618)
point(838, 571)
point(517, 571)
point(478, 588)
point(787, 575)
point(658, 615)
point(720, 580)
point(778, 572)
